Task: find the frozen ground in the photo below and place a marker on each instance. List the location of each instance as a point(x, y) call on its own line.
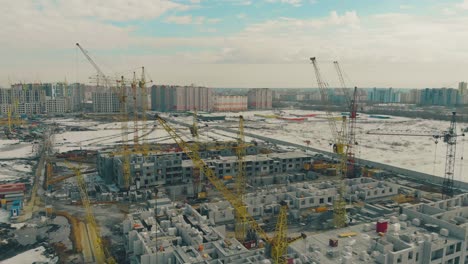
point(12, 170)
point(415, 153)
point(4, 216)
point(30, 256)
point(106, 135)
point(15, 149)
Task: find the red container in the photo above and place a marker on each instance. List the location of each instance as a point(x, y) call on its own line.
point(250, 244)
point(382, 226)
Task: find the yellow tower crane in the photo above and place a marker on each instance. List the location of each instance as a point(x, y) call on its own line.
point(144, 109)
point(279, 243)
point(123, 115)
point(339, 147)
point(124, 132)
point(194, 128)
point(101, 255)
point(135, 112)
point(241, 222)
point(352, 105)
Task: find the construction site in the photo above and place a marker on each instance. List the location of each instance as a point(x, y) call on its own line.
point(276, 186)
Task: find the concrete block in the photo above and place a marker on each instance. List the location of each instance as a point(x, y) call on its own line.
point(427, 237)
point(403, 225)
point(444, 232)
point(347, 259)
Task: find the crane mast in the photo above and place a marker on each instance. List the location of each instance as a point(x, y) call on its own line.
point(352, 103)
point(122, 97)
point(340, 143)
point(135, 112)
point(241, 222)
point(124, 134)
point(352, 171)
point(194, 128)
point(144, 109)
point(450, 138)
point(338, 146)
point(94, 233)
point(278, 248)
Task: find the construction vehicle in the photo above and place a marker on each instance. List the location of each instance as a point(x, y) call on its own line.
point(340, 147)
point(279, 243)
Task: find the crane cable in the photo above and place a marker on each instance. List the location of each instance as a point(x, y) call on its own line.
point(461, 158)
point(435, 157)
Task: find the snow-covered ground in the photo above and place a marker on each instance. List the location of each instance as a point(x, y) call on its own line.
point(11, 170)
point(15, 149)
point(415, 153)
point(4, 216)
point(30, 256)
point(108, 134)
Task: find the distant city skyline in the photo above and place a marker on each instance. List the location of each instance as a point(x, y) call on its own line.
point(238, 43)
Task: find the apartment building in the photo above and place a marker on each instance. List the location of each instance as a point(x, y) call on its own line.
point(105, 102)
point(165, 98)
point(260, 98)
point(229, 103)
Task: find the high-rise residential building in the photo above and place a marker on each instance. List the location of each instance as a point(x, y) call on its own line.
point(29, 99)
point(70, 97)
point(384, 95)
point(105, 102)
point(260, 98)
point(40, 98)
point(76, 93)
point(411, 97)
point(462, 87)
point(181, 98)
point(225, 103)
point(57, 105)
point(440, 96)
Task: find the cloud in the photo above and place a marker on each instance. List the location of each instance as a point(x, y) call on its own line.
point(188, 20)
point(116, 10)
point(463, 5)
point(39, 36)
point(290, 2)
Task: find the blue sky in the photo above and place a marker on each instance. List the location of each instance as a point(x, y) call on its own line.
point(231, 43)
point(234, 15)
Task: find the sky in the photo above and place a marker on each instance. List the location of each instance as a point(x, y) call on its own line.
point(237, 43)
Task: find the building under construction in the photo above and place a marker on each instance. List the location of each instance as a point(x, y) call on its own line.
point(156, 187)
